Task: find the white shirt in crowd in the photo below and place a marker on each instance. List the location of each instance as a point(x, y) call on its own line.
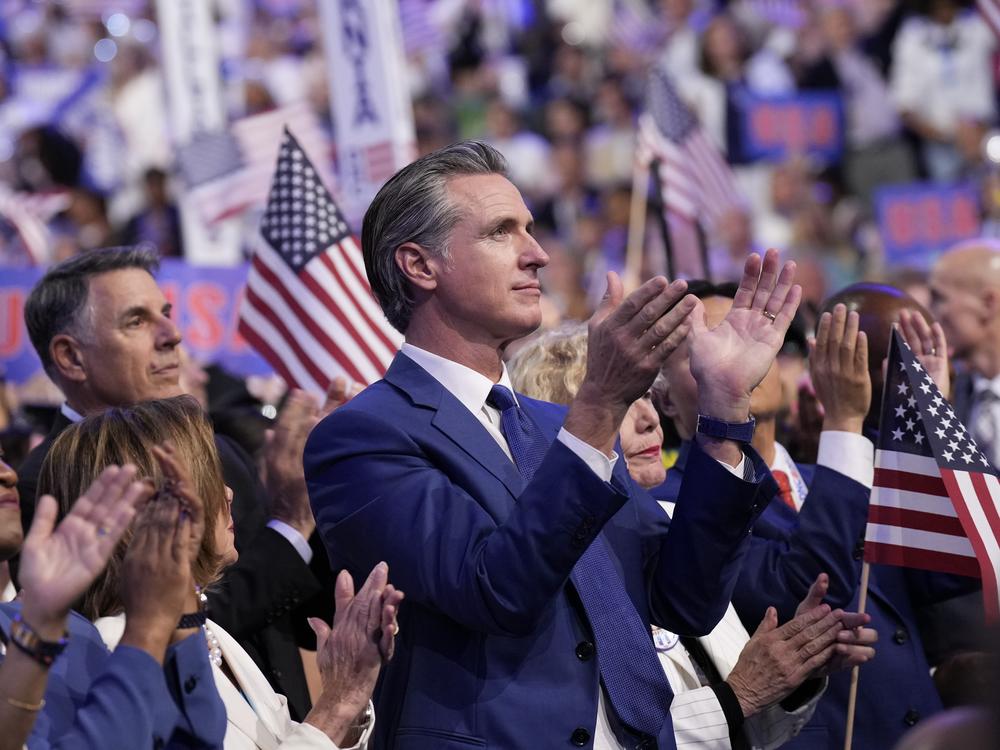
point(943, 74)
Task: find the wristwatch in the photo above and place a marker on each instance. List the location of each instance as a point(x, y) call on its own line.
point(741, 432)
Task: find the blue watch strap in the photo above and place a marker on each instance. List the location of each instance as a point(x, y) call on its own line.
point(741, 432)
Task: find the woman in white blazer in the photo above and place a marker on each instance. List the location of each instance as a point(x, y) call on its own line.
point(349, 655)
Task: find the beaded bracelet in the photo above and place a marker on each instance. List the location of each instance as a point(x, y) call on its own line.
point(27, 641)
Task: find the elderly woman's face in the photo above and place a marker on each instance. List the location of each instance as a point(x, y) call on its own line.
point(641, 437)
point(225, 539)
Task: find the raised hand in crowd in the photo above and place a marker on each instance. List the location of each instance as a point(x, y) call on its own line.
point(58, 563)
point(777, 660)
point(285, 480)
point(929, 346)
point(838, 368)
point(157, 585)
point(352, 652)
point(628, 340)
point(730, 360)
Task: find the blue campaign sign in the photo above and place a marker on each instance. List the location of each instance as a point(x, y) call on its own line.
point(919, 220)
point(775, 127)
point(206, 307)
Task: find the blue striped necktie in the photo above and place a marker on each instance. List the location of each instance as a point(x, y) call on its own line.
point(632, 674)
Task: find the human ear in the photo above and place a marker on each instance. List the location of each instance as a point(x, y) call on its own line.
point(67, 357)
point(417, 265)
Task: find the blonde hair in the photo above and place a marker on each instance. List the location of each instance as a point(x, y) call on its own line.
point(551, 367)
point(127, 435)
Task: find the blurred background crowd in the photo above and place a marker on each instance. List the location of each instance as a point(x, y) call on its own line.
point(556, 86)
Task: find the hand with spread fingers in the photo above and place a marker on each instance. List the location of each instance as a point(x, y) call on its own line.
point(729, 361)
point(352, 652)
point(838, 368)
point(929, 346)
point(59, 562)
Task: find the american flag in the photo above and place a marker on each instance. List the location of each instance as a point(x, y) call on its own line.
point(936, 501)
point(308, 308)
point(695, 182)
point(28, 214)
point(229, 173)
point(990, 11)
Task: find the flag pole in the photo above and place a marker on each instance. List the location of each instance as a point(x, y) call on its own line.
point(852, 697)
point(636, 226)
point(703, 251)
point(661, 215)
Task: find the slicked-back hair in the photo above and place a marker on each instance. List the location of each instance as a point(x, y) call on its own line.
point(414, 206)
point(57, 301)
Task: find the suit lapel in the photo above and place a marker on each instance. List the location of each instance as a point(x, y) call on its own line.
point(454, 421)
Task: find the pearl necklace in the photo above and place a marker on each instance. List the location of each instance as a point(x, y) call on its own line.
point(214, 648)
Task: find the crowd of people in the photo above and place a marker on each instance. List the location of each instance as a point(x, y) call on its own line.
point(564, 582)
point(571, 514)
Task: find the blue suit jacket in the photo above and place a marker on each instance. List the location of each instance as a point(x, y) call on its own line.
point(488, 653)
point(788, 549)
point(97, 699)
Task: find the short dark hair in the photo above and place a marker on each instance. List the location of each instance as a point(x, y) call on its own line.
point(55, 302)
point(414, 206)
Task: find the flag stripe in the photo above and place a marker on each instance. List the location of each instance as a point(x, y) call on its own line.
point(914, 519)
point(924, 540)
point(899, 461)
point(964, 489)
point(892, 554)
point(284, 289)
point(326, 288)
point(904, 480)
point(281, 358)
point(920, 502)
point(329, 274)
point(277, 317)
point(352, 253)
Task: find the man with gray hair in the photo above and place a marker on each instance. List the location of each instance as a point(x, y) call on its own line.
point(104, 333)
point(531, 562)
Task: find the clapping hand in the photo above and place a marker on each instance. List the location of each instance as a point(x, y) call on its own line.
point(728, 361)
point(59, 563)
point(351, 653)
point(854, 642)
point(177, 484)
point(286, 481)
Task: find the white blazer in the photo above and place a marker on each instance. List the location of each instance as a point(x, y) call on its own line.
point(257, 718)
point(697, 715)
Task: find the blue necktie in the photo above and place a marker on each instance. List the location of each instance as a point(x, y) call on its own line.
point(632, 674)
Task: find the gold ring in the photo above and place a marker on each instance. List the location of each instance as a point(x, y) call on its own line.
point(769, 315)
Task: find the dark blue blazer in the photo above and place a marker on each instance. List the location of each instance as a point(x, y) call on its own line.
point(788, 549)
point(495, 649)
point(98, 699)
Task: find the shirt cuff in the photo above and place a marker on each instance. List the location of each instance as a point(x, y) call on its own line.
point(849, 453)
point(595, 459)
point(294, 538)
point(740, 470)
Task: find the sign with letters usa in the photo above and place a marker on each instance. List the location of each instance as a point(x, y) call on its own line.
point(919, 220)
point(774, 128)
